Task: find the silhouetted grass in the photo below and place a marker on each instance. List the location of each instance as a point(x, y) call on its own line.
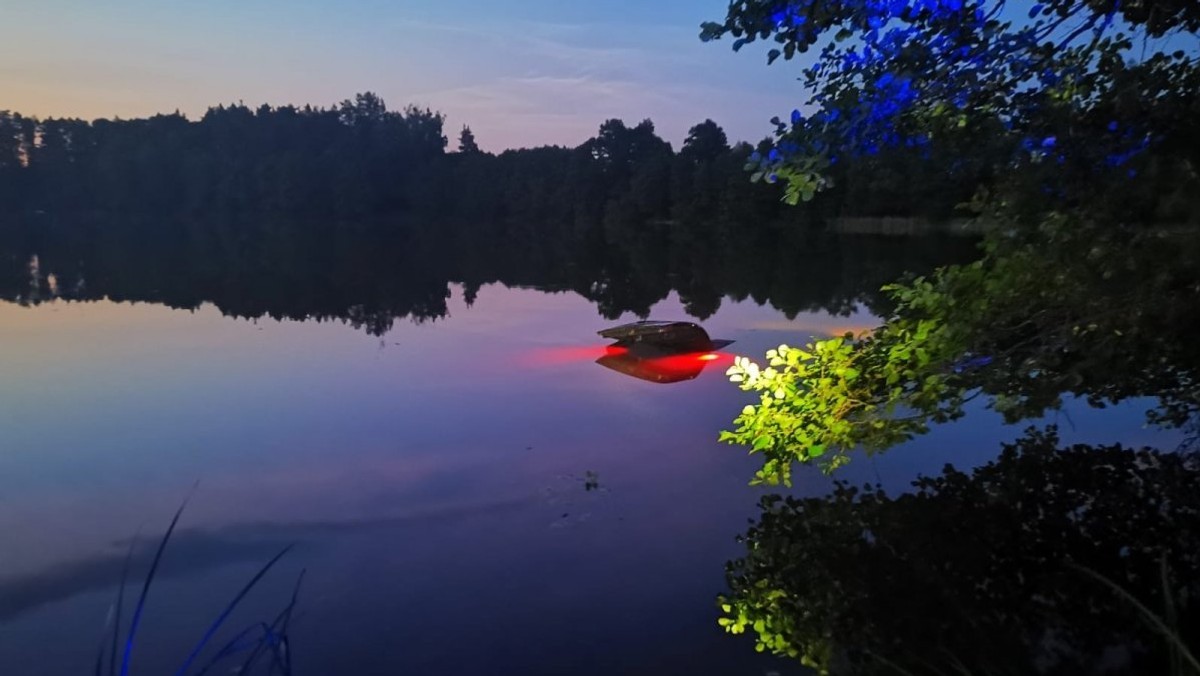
point(259, 638)
point(212, 629)
point(273, 636)
point(1183, 661)
point(115, 617)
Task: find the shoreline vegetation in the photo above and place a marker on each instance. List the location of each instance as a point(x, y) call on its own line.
point(1079, 121)
point(359, 160)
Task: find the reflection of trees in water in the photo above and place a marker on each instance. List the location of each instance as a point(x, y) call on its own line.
point(994, 571)
point(370, 275)
point(621, 219)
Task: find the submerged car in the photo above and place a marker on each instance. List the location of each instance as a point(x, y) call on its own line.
point(660, 351)
point(672, 337)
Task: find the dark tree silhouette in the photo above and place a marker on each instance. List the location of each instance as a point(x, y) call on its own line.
point(705, 143)
point(1025, 566)
point(466, 141)
point(358, 159)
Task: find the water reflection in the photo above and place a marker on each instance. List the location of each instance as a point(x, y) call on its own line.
point(556, 485)
point(491, 420)
point(370, 275)
point(1034, 563)
point(660, 368)
point(194, 551)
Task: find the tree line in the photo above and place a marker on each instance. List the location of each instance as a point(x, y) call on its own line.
point(358, 159)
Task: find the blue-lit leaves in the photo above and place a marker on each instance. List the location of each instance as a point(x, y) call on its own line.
point(1111, 146)
point(1129, 145)
point(790, 16)
point(1039, 149)
point(928, 75)
point(1119, 158)
point(890, 97)
point(1049, 78)
point(972, 363)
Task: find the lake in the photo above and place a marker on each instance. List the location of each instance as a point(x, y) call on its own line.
point(467, 489)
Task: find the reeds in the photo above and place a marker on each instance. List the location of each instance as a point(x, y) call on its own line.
point(259, 640)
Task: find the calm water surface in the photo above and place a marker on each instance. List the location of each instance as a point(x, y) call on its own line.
point(469, 495)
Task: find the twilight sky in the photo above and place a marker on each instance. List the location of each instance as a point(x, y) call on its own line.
point(520, 72)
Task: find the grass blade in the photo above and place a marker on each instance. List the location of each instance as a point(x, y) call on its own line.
point(235, 645)
point(100, 653)
point(141, 603)
point(113, 621)
point(212, 629)
point(1171, 635)
point(888, 663)
point(278, 628)
point(1171, 620)
point(116, 634)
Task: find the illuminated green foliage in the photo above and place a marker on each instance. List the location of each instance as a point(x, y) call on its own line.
point(1102, 314)
point(821, 401)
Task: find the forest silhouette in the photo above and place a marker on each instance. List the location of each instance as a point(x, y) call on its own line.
point(358, 159)
point(358, 213)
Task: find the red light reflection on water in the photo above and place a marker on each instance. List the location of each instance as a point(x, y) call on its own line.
point(665, 367)
point(690, 360)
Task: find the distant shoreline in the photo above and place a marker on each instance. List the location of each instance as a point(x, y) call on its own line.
point(906, 226)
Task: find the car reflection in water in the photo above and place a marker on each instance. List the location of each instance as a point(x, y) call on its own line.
point(660, 352)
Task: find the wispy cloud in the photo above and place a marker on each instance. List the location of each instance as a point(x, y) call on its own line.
point(568, 48)
point(559, 81)
point(560, 110)
point(495, 65)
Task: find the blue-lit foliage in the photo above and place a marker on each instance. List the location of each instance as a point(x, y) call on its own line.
point(1078, 132)
point(1067, 82)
